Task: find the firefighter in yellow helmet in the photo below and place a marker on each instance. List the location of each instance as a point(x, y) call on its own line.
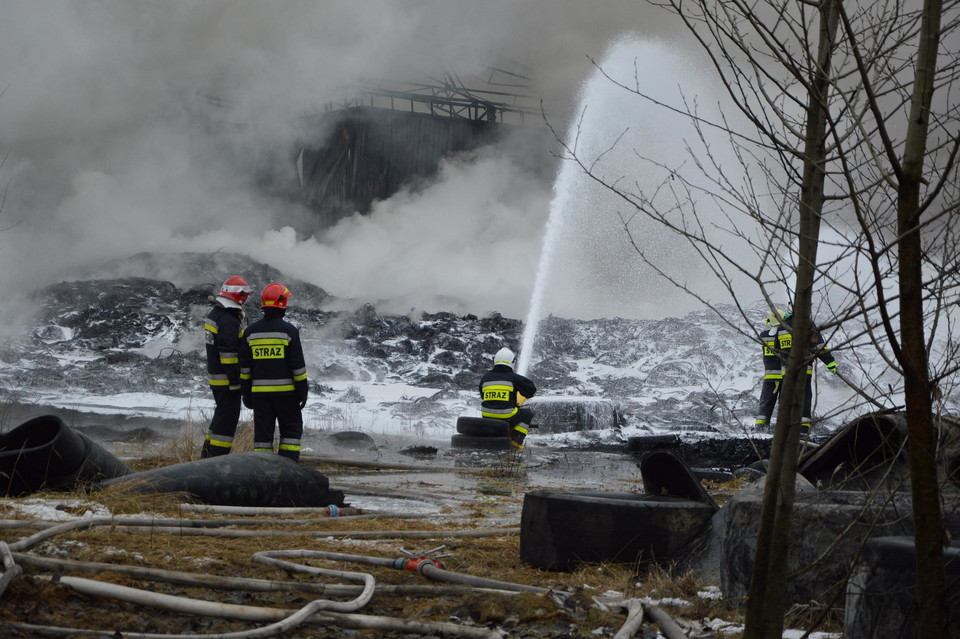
point(777, 341)
point(502, 394)
point(274, 376)
point(222, 332)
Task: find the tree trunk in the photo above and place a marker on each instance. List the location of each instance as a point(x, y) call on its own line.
point(928, 524)
point(765, 608)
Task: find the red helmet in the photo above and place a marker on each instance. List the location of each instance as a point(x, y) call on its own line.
point(236, 289)
point(275, 296)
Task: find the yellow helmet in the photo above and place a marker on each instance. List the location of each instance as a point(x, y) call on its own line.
point(775, 317)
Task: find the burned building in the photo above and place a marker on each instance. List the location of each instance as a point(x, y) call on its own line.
point(365, 150)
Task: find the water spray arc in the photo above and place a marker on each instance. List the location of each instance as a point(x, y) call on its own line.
point(584, 137)
point(585, 245)
point(559, 205)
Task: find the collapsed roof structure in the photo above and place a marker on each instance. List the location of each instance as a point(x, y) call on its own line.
point(394, 135)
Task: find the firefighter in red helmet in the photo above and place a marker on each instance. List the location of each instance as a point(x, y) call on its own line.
point(274, 376)
point(222, 332)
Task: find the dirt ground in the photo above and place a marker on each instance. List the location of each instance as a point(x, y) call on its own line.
point(465, 509)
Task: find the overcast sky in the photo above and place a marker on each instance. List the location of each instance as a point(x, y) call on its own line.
point(105, 121)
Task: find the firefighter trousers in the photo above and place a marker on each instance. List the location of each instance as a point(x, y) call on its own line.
point(518, 424)
point(275, 411)
point(770, 392)
point(223, 424)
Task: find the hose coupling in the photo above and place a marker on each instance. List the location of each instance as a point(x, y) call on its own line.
point(416, 564)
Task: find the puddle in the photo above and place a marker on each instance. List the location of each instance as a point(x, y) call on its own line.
point(406, 474)
point(374, 505)
point(468, 481)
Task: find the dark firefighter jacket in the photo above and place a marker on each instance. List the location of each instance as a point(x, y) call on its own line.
point(271, 357)
point(498, 392)
point(222, 334)
point(777, 342)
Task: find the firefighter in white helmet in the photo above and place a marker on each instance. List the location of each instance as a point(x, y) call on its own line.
point(502, 394)
point(222, 333)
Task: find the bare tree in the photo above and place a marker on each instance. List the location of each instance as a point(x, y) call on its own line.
point(837, 100)
point(768, 586)
point(912, 351)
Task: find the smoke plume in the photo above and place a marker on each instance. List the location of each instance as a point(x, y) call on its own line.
point(130, 127)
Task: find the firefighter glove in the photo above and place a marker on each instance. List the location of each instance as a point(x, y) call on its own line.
point(248, 400)
point(302, 392)
point(832, 367)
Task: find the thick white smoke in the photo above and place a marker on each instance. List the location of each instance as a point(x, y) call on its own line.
point(133, 127)
point(467, 244)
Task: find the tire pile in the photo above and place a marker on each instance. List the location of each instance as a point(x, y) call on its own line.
point(481, 433)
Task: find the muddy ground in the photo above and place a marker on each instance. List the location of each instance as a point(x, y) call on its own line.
point(463, 505)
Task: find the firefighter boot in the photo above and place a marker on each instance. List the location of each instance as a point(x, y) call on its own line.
point(806, 429)
point(517, 434)
point(205, 451)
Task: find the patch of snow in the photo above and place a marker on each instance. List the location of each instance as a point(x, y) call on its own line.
point(54, 334)
point(727, 628)
point(377, 504)
point(62, 548)
point(666, 601)
point(54, 509)
point(711, 592)
point(121, 552)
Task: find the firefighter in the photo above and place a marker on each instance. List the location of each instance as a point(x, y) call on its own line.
point(274, 376)
point(502, 394)
point(222, 333)
point(777, 341)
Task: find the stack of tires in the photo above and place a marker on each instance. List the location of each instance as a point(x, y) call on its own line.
point(481, 433)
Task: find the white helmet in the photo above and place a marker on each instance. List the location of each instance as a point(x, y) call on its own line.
point(504, 356)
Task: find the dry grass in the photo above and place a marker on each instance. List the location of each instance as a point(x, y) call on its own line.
point(662, 583)
point(32, 600)
point(815, 615)
point(40, 602)
point(721, 491)
point(123, 501)
point(187, 446)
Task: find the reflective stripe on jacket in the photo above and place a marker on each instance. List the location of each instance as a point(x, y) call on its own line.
point(498, 392)
point(222, 334)
point(271, 357)
point(777, 343)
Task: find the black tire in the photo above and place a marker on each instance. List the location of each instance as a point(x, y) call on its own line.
point(259, 479)
point(649, 442)
point(560, 528)
point(482, 427)
point(750, 474)
point(666, 474)
point(712, 475)
point(351, 440)
point(99, 463)
point(45, 453)
point(484, 443)
point(881, 599)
